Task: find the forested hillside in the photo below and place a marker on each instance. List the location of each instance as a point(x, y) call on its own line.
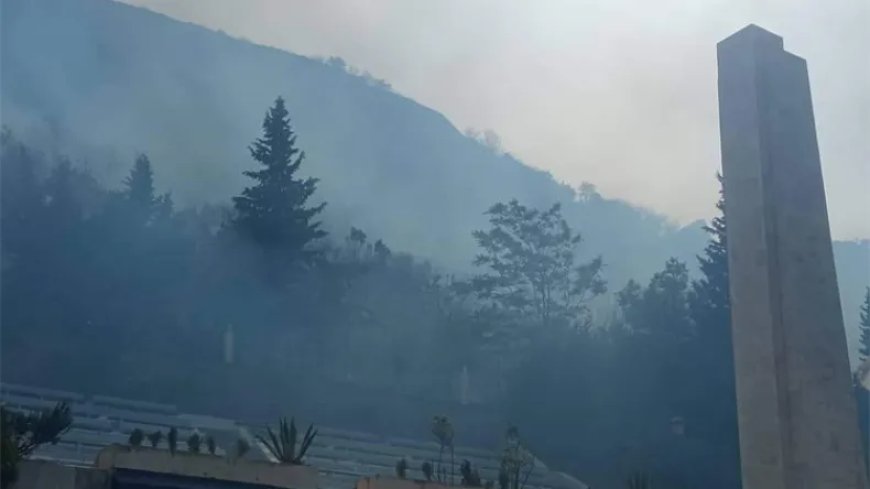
point(102, 81)
point(164, 237)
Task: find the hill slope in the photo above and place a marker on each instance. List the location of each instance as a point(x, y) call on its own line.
point(101, 81)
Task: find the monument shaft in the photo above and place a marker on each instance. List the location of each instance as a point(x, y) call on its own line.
point(796, 411)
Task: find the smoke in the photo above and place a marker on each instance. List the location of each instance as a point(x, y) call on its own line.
point(619, 92)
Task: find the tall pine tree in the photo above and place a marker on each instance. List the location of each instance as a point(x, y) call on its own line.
point(864, 325)
point(710, 306)
point(274, 212)
point(143, 204)
point(710, 302)
point(139, 186)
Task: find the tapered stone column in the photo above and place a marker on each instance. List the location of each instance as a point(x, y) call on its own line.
point(797, 414)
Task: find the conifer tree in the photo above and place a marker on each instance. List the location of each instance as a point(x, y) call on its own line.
point(274, 211)
point(710, 306)
point(140, 184)
point(864, 326)
point(143, 204)
point(709, 300)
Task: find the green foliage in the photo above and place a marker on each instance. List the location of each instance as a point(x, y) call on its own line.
point(154, 438)
point(470, 476)
point(714, 411)
point(402, 468)
point(9, 459)
point(194, 442)
point(442, 429)
point(283, 445)
point(172, 440)
point(136, 438)
point(274, 212)
point(503, 478)
point(517, 463)
point(30, 430)
point(210, 444)
point(22, 433)
point(532, 269)
point(143, 205)
point(140, 183)
point(428, 470)
point(709, 299)
point(864, 325)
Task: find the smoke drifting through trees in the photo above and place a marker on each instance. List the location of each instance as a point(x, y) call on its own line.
point(117, 291)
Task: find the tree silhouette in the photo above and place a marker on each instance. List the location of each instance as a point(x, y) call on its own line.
point(143, 205)
point(22, 433)
point(715, 416)
point(864, 325)
point(139, 185)
point(274, 212)
point(532, 268)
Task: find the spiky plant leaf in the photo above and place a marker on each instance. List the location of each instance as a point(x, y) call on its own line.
point(272, 444)
point(307, 440)
point(291, 441)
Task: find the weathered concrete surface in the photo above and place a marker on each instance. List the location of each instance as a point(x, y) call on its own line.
point(207, 466)
point(797, 415)
point(38, 474)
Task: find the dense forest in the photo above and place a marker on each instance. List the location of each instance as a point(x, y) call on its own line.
point(101, 81)
point(118, 290)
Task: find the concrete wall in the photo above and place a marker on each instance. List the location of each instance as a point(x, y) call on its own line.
point(208, 466)
point(34, 474)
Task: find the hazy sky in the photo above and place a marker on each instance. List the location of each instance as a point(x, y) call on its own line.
point(620, 93)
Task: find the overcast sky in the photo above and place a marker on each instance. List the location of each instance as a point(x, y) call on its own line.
point(620, 93)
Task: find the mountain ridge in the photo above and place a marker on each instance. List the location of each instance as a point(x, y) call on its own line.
point(101, 81)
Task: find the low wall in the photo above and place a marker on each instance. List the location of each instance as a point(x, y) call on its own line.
point(38, 474)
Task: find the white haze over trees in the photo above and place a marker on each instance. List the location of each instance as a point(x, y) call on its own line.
point(155, 197)
point(619, 92)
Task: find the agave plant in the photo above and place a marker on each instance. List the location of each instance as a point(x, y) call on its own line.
point(283, 445)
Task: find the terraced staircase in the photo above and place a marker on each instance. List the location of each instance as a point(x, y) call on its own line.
point(342, 457)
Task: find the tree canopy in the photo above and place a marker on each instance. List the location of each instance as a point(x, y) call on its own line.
point(274, 211)
point(531, 266)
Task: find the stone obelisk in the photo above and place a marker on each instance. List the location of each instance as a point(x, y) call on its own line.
point(796, 411)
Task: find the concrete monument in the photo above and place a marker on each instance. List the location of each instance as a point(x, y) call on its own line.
point(796, 410)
